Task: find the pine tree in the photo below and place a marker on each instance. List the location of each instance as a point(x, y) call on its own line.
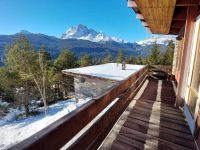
point(154, 57)
point(64, 83)
point(169, 53)
point(120, 56)
point(19, 59)
point(139, 60)
point(131, 60)
point(32, 68)
point(9, 82)
point(97, 61)
point(107, 58)
point(85, 60)
point(145, 61)
point(65, 60)
point(46, 56)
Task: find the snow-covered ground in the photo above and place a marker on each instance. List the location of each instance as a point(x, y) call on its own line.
point(13, 131)
point(109, 71)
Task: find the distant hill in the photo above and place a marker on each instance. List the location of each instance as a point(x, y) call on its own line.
point(80, 44)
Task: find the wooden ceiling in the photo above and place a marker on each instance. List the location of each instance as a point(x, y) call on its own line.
point(180, 15)
point(157, 14)
point(163, 16)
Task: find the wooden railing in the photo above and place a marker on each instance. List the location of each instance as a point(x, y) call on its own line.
point(163, 71)
point(63, 130)
point(164, 68)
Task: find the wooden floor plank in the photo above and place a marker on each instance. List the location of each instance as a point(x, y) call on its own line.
point(154, 122)
point(131, 142)
point(147, 111)
point(183, 129)
point(163, 144)
point(158, 105)
point(162, 134)
point(145, 126)
point(169, 106)
point(117, 145)
point(162, 119)
point(163, 108)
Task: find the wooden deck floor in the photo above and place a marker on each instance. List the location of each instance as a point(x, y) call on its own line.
point(151, 122)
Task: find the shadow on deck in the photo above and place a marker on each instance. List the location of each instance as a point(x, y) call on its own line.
point(151, 122)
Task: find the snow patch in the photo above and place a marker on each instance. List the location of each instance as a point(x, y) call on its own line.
point(3, 104)
point(13, 131)
point(108, 71)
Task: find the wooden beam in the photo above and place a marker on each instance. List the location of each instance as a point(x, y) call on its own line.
point(175, 27)
point(178, 38)
point(132, 4)
point(139, 16)
point(173, 33)
point(135, 9)
point(178, 23)
point(175, 30)
point(199, 11)
point(181, 33)
point(148, 29)
point(144, 24)
point(180, 14)
point(187, 2)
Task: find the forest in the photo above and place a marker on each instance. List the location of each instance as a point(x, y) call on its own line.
point(29, 75)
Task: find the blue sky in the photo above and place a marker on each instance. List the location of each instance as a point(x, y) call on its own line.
point(53, 17)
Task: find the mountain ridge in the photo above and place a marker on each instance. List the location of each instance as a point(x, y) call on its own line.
point(98, 50)
point(83, 32)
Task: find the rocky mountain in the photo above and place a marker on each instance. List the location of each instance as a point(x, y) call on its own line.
point(82, 40)
point(84, 33)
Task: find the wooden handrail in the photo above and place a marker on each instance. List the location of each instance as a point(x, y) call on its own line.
point(61, 131)
point(165, 68)
point(94, 136)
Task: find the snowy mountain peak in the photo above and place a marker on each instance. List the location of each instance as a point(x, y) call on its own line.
point(158, 39)
point(83, 32)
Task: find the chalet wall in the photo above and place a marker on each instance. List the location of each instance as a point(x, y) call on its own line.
point(91, 87)
point(185, 70)
point(185, 59)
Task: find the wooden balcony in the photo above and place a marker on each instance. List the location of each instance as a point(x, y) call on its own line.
point(151, 122)
point(139, 120)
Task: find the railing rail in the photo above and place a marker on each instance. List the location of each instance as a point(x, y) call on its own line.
point(165, 68)
point(63, 130)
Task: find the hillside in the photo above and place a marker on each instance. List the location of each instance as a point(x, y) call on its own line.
point(83, 40)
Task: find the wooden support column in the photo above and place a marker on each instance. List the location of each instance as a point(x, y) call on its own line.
point(189, 27)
